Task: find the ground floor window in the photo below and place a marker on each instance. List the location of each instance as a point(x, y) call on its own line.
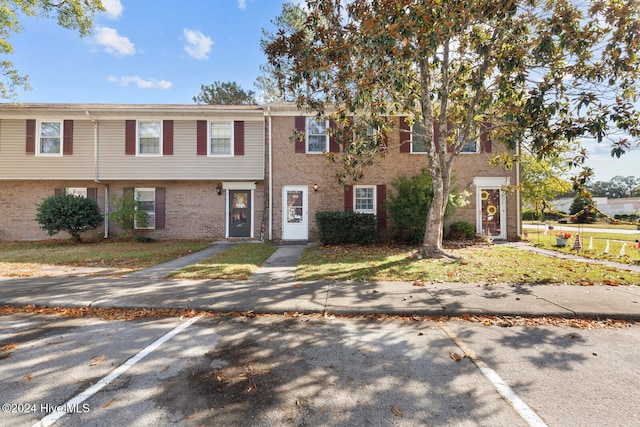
point(146, 198)
point(365, 198)
point(77, 191)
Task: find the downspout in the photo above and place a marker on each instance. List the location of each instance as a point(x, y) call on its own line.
point(96, 176)
point(270, 175)
point(518, 193)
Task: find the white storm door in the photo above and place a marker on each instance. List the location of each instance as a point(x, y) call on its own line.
point(492, 213)
point(295, 213)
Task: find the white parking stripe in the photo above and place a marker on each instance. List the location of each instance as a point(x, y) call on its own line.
point(77, 401)
point(507, 393)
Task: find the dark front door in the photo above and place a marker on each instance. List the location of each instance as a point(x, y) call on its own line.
point(240, 213)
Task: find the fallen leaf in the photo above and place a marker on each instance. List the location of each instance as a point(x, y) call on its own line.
point(28, 377)
point(97, 361)
point(456, 357)
point(298, 286)
point(397, 412)
point(109, 403)
point(165, 369)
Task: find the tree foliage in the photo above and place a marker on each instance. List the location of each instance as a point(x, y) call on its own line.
point(549, 72)
point(224, 93)
point(71, 14)
point(66, 212)
point(542, 180)
point(409, 203)
point(126, 212)
point(617, 188)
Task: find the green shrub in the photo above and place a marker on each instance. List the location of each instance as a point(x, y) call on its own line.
point(409, 204)
point(462, 230)
point(126, 212)
point(143, 239)
point(530, 215)
point(66, 212)
point(582, 210)
point(336, 228)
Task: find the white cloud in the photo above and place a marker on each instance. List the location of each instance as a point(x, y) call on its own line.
point(141, 83)
point(113, 8)
point(242, 4)
point(113, 42)
point(198, 45)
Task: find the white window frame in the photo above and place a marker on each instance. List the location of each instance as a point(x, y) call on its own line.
point(231, 138)
point(373, 199)
point(77, 191)
point(39, 138)
point(476, 140)
point(326, 134)
point(411, 142)
point(160, 144)
point(152, 214)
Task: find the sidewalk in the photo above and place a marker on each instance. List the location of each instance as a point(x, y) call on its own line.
point(272, 289)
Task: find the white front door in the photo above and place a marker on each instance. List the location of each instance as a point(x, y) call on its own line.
point(295, 213)
point(492, 212)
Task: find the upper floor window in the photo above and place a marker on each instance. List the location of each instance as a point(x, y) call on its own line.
point(146, 198)
point(317, 136)
point(365, 198)
point(220, 139)
point(149, 138)
point(418, 147)
point(470, 147)
point(49, 138)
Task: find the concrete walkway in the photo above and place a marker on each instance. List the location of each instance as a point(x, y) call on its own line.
point(273, 289)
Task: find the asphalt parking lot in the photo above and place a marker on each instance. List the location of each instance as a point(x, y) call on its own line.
point(301, 370)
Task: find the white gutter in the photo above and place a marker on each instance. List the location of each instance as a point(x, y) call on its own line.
point(270, 175)
point(96, 176)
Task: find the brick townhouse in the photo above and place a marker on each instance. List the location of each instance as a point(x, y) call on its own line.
point(198, 170)
point(303, 181)
point(216, 172)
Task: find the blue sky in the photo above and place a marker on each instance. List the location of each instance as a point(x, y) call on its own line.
point(162, 51)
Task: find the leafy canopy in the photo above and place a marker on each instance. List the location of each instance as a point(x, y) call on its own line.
point(551, 73)
point(224, 93)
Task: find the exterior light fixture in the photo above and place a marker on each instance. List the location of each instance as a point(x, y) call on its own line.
point(219, 188)
point(315, 187)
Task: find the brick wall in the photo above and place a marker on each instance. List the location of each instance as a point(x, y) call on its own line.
point(292, 168)
point(193, 209)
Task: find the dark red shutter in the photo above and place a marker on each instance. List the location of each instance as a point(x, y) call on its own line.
point(130, 138)
point(67, 139)
point(334, 147)
point(348, 198)
point(485, 137)
point(405, 136)
point(160, 207)
point(30, 147)
point(58, 192)
point(167, 137)
point(381, 212)
point(92, 193)
point(238, 138)
point(301, 124)
point(201, 138)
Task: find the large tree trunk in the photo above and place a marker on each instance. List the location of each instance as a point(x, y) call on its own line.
point(434, 229)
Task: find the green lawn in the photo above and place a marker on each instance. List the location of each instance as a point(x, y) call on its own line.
point(485, 264)
point(29, 257)
point(236, 263)
point(598, 242)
